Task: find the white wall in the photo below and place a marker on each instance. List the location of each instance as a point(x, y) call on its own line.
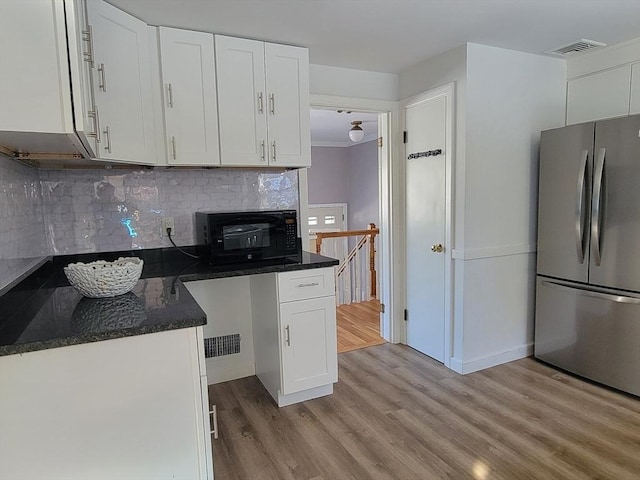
point(503, 100)
point(511, 97)
point(328, 176)
point(347, 82)
point(363, 185)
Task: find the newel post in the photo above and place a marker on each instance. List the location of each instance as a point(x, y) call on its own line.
point(372, 260)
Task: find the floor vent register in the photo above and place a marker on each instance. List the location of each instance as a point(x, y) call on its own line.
point(221, 346)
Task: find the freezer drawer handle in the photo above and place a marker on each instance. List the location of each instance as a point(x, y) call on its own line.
point(590, 293)
point(580, 230)
point(596, 207)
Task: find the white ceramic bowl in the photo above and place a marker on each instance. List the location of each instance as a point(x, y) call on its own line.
point(102, 279)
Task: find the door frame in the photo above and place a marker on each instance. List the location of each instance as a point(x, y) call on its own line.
point(448, 91)
point(389, 208)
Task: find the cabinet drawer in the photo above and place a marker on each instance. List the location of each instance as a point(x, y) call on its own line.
point(304, 284)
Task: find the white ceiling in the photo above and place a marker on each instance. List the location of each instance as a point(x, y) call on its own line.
point(331, 129)
point(391, 35)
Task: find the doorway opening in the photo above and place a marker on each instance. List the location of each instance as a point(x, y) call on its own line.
point(344, 200)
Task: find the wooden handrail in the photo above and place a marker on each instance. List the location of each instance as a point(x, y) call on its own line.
point(370, 232)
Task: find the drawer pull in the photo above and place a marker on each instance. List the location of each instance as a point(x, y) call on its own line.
point(214, 412)
point(303, 285)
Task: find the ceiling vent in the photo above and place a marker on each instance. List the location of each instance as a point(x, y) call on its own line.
point(583, 45)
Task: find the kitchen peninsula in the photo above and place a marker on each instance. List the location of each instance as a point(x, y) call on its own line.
point(109, 388)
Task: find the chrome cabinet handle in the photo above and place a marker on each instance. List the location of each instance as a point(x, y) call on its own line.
point(262, 152)
point(272, 102)
point(260, 103)
point(103, 82)
point(214, 412)
point(170, 95)
point(582, 173)
point(303, 285)
point(173, 147)
point(594, 294)
point(87, 36)
point(273, 156)
point(107, 135)
point(288, 332)
point(596, 206)
point(96, 124)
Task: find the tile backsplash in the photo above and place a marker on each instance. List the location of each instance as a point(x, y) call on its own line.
point(23, 240)
point(81, 211)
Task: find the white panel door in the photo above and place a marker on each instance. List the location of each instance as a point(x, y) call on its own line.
point(328, 218)
point(122, 84)
point(425, 123)
point(190, 104)
point(287, 77)
point(309, 344)
point(242, 101)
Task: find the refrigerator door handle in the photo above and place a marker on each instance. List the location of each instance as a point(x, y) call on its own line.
point(582, 174)
point(591, 293)
point(596, 227)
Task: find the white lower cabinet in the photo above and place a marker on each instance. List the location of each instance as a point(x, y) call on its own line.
point(308, 329)
point(134, 408)
point(295, 341)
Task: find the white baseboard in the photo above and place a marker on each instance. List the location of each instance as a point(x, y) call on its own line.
point(489, 361)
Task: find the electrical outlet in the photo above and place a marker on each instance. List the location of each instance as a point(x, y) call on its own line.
point(167, 222)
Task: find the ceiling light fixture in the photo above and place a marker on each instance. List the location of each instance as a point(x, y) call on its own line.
point(356, 133)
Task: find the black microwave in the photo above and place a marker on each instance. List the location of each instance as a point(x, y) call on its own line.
point(239, 237)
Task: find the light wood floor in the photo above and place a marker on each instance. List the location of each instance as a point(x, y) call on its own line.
point(358, 325)
point(396, 414)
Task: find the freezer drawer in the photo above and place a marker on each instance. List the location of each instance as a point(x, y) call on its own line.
point(589, 333)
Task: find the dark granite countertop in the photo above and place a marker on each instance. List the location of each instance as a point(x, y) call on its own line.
point(43, 311)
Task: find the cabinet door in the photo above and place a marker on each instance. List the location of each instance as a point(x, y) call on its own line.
point(600, 95)
point(287, 77)
point(81, 62)
point(190, 105)
point(634, 106)
point(122, 84)
point(242, 101)
point(119, 409)
point(35, 94)
point(309, 344)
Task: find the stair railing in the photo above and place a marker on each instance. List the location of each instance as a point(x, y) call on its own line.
point(356, 277)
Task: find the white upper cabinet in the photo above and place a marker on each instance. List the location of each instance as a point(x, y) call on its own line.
point(190, 104)
point(122, 85)
point(288, 118)
point(39, 72)
point(634, 106)
point(80, 38)
point(263, 103)
point(600, 95)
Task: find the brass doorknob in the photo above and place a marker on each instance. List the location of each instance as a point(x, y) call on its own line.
point(437, 248)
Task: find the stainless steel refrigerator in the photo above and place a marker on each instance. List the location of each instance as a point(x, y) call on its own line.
point(588, 272)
